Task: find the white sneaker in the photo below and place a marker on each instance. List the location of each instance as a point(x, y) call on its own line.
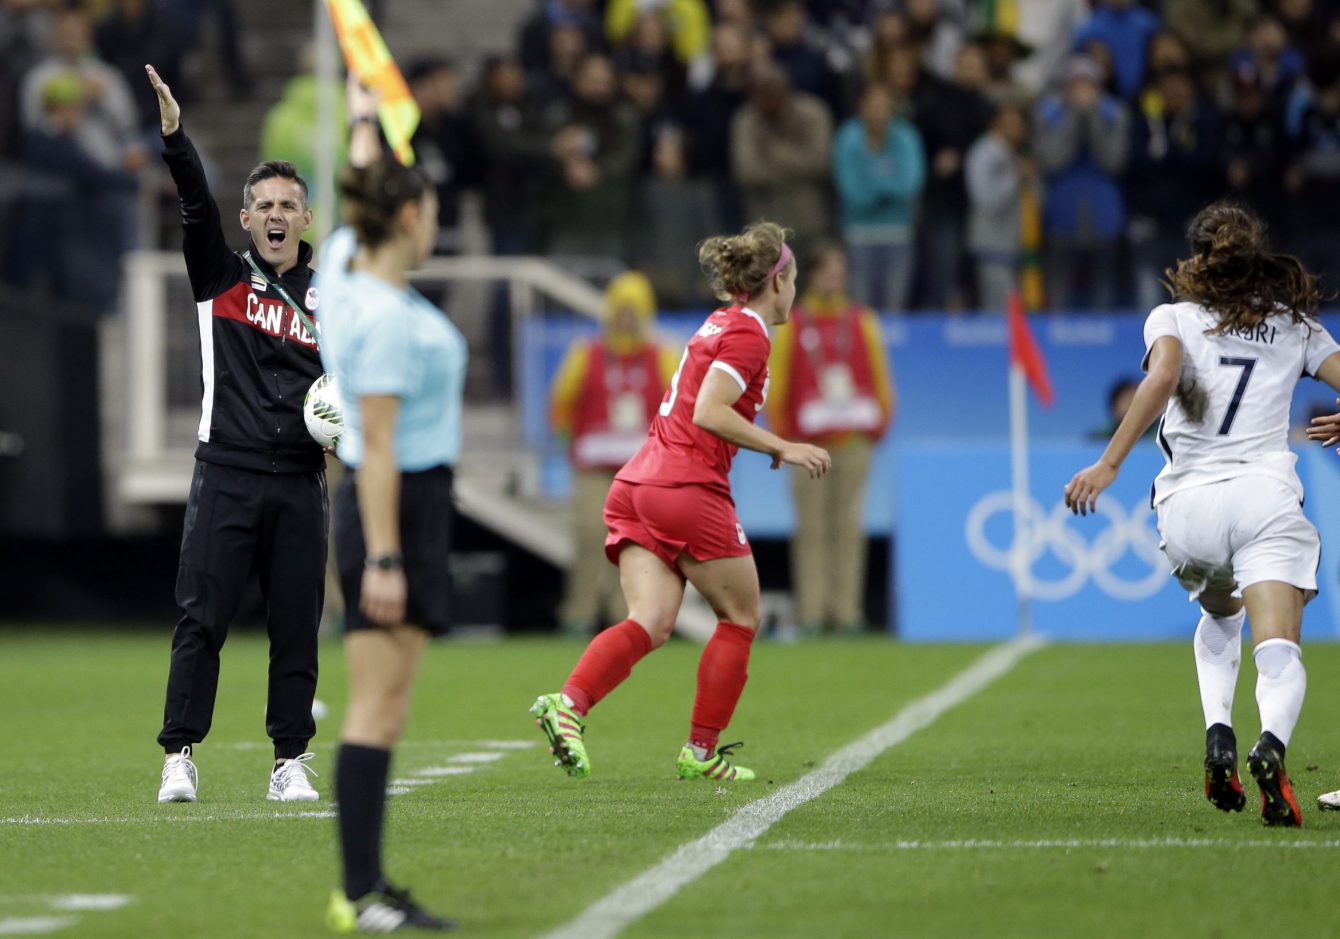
point(1330, 800)
point(179, 778)
point(288, 781)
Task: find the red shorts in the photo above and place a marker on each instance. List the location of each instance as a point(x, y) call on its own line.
point(672, 520)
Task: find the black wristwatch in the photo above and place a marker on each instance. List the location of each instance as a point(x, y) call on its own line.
point(385, 562)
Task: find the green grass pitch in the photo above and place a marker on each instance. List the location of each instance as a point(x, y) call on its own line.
point(1064, 799)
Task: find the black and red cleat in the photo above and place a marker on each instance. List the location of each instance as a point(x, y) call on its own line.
point(1222, 786)
point(1279, 807)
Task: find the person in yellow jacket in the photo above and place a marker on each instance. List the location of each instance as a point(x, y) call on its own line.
point(832, 385)
point(689, 23)
point(604, 396)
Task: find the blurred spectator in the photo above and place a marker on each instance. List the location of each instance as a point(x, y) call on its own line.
point(1307, 22)
point(1047, 27)
point(135, 32)
point(604, 396)
point(1172, 173)
point(880, 170)
point(831, 386)
point(709, 114)
point(1124, 27)
point(74, 241)
point(805, 64)
point(536, 42)
point(108, 127)
point(1165, 51)
point(551, 82)
point(1119, 397)
point(688, 24)
point(25, 33)
point(889, 31)
point(1004, 50)
point(289, 131)
point(780, 143)
point(1081, 137)
point(674, 209)
point(512, 142)
point(191, 16)
point(998, 170)
point(949, 116)
point(738, 13)
point(1313, 175)
point(647, 49)
point(936, 27)
point(1211, 29)
point(1253, 149)
point(588, 189)
point(446, 146)
point(1268, 54)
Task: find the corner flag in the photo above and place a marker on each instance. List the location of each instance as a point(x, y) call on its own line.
point(366, 55)
point(1025, 353)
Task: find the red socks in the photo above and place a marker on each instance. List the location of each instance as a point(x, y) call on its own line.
point(609, 659)
point(722, 672)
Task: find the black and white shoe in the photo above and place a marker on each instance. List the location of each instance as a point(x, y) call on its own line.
point(382, 909)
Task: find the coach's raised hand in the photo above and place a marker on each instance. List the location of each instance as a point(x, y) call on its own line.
point(169, 112)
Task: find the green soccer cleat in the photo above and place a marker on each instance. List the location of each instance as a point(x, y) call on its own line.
point(564, 729)
point(715, 767)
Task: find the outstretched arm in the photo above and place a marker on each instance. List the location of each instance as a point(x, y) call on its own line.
point(209, 261)
point(1165, 369)
point(713, 413)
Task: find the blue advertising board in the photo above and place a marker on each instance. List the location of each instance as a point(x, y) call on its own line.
point(1100, 577)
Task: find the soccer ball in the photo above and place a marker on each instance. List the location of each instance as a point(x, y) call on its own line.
point(322, 411)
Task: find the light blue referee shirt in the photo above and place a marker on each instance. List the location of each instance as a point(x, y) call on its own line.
point(379, 339)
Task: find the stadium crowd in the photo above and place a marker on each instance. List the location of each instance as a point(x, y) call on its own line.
point(949, 144)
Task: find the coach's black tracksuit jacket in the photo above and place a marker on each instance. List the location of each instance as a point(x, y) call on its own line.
point(258, 495)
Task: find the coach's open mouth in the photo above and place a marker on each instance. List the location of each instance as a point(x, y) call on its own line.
point(276, 237)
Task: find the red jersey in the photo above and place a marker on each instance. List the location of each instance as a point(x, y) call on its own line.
point(677, 452)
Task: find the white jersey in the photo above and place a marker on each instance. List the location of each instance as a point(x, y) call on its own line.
point(1230, 415)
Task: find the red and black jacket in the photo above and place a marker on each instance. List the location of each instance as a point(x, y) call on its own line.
point(257, 358)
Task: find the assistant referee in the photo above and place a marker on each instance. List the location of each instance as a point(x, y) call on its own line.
point(258, 495)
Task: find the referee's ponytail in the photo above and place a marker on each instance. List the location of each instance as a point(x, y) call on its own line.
point(373, 196)
point(1234, 273)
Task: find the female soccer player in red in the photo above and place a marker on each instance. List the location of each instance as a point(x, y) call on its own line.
point(670, 514)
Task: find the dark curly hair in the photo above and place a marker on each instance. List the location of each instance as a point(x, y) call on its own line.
point(1233, 272)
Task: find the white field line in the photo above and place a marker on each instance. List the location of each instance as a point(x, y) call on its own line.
point(35, 925)
point(475, 757)
point(412, 782)
point(608, 916)
point(435, 771)
point(318, 746)
point(165, 817)
point(69, 902)
point(1066, 844)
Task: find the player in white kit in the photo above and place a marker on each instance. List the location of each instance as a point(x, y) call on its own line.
point(1222, 363)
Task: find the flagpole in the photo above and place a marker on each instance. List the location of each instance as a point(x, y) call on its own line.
point(1023, 534)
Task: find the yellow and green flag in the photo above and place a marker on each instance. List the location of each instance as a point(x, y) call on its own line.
point(367, 57)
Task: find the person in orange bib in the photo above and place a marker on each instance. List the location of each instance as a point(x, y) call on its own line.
point(604, 397)
point(832, 385)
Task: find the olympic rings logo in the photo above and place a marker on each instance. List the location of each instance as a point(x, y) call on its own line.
point(1051, 533)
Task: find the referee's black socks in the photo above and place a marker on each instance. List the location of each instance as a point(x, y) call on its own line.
point(360, 790)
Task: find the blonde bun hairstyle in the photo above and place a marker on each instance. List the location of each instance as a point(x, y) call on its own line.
point(739, 265)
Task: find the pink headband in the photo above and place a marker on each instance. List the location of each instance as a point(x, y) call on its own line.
point(783, 260)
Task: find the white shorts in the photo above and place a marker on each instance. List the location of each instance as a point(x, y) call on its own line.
point(1231, 534)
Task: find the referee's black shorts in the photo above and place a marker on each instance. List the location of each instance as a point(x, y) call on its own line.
point(425, 541)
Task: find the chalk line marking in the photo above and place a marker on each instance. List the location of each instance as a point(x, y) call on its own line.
point(35, 925)
point(164, 817)
point(475, 757)
point(436, 771)
point(626, 904)
point(1066, 844)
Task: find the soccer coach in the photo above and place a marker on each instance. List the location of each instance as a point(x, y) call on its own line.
point(258, 493)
